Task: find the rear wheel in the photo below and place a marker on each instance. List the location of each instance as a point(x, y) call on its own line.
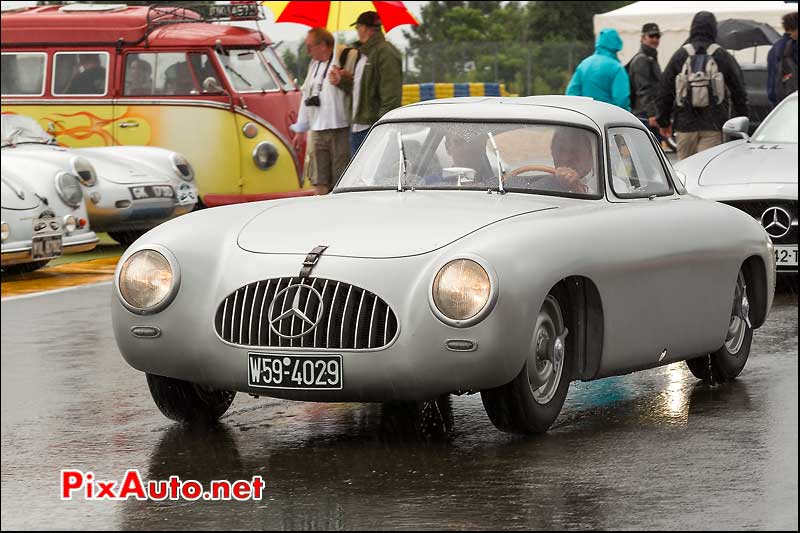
point(126, 238)
point(24, 268)
point(728, 362)
point(187, 402)
point(532, 401)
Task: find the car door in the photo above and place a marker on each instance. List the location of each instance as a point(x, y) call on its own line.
point(665, 292)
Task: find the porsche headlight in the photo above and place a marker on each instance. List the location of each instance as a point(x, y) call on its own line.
point(69, 189)
point(462, 290)
point(82, 168)
point(182, 167)
point(148, 280)
point(265, 155)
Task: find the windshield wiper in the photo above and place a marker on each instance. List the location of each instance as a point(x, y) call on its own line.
point(500, 170)
point(231, 69)
point(401, 170)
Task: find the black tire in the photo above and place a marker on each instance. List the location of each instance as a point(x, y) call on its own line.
point(728, 361)
point(126, 238)
point(514, 407)
point(24, 268)
point(187, 402)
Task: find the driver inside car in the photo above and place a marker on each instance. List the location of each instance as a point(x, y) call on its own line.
point(573, 158)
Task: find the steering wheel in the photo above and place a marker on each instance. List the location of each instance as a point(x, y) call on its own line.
point(530, 168)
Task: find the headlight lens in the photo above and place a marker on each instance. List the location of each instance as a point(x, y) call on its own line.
point(461, 289)
point(146, 280)
point(5, 231)
point(69, 189)
point(82, 168)
point(265, 155)
point(182, 167)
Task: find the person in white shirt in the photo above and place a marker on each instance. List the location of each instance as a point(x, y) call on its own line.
point(323, 111)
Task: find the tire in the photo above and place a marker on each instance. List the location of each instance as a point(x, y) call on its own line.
point(728, 361)
point(519, 408)
point(126, 238)
point(24, 268)
point(187, 402)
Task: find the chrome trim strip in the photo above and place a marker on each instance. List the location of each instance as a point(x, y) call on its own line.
point(250, 320)
point(224, 314)
point(372, 321)
point(330, 315)
point(261, 313)
point(241, 315)
point(324, 288)
point(358, 316)
point(344, 316)
point(386, 324)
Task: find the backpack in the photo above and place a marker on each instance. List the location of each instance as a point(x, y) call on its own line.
point(700, 83)
point(786, 80)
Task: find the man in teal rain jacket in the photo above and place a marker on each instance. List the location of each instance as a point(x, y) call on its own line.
point(601, 75)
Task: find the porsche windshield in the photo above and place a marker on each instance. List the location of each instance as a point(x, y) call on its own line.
point(542, 158)
point(18, 129)
point(781, 125)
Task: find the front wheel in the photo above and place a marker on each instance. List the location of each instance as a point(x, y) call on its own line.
point(187, 402)
point(532, 401)
point(728, 362)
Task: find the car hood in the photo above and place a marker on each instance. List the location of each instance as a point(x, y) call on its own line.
point(15, 195)
point(117, 165)
point(751, 163)
point(381, 224)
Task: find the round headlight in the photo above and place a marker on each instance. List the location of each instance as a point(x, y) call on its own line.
point(70, 224)
point(461, 289)
point(5, 231)
point(265, 155)
point(82, 168)
point(147, 281)
point(182, 167)
point(69, 189)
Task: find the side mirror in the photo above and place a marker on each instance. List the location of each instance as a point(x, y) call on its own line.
point(737, 127)
point(211, 85)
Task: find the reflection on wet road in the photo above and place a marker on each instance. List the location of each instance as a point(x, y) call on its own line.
point(649, 450)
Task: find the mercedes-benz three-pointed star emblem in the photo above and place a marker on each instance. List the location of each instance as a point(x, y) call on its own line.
point(777, 221)
point(301, 302)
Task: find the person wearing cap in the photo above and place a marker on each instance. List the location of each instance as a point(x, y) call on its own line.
point(645, 75)
point(376, 86)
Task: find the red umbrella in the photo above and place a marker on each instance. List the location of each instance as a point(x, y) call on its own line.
point(338, 15)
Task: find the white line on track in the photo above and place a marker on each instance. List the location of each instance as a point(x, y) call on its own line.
point(55, 291)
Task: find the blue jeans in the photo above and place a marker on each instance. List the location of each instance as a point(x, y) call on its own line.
point(356, 138)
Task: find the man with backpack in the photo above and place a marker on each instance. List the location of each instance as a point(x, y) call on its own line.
point(782, 62)
point(645, 75)
point(699, 83)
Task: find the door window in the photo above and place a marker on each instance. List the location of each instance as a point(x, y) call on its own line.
point(636, 170)
point(22, 73)
point(80, 74)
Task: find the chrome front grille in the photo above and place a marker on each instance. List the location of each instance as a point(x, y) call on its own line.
point(351, 318)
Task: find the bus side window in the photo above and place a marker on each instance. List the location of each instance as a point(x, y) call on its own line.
point(206, 73)
point(80, 73)
point(22, 74)
point(158, 73)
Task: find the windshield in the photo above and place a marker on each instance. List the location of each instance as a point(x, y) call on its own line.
point(246, 71)
point(781, 125)
point(18, 129)
point(280, 71)
point(538, 158)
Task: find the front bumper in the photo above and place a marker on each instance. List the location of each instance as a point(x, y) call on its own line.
point(116, 211)
point(416, 365)
point(20, 252)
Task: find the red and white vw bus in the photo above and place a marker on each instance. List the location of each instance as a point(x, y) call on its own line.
point(105, 74)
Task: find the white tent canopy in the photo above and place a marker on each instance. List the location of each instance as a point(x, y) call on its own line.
point(675, 18)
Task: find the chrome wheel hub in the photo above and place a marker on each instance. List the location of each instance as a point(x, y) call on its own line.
point(546, 359)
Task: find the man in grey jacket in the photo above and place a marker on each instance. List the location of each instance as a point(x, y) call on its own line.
point(645, 75)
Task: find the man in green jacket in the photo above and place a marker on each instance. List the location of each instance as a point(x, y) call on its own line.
point(376, 85)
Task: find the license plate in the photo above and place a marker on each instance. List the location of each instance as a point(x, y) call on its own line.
point(46, 247)
point(143, 192)
point(300, 372)
point(786, 255)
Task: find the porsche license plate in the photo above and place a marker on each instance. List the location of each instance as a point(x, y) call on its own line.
point(144, 192)
point(301, 372)
point(786, 255)
point(46, 247)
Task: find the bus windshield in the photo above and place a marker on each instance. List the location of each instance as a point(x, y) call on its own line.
point(246, 71)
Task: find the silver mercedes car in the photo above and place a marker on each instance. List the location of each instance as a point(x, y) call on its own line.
point(756, 174)
point(128, 189)
point(501, 246)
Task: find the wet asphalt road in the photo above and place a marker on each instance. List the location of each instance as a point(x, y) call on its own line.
point(652, 450)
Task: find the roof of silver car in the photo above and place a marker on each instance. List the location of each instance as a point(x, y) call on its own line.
point(573, 109)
